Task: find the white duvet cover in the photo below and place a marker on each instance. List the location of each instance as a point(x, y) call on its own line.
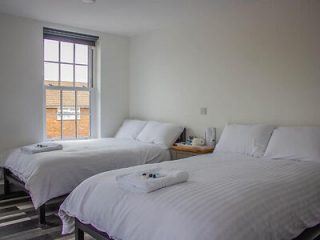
point(227, 197)
point(52, 174)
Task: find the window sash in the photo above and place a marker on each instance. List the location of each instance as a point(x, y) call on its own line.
point(76, 90)
point(89, 65)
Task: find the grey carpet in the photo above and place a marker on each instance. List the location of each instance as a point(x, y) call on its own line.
point(19, 221)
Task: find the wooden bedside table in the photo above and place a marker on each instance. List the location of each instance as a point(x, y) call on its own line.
point(185, 151)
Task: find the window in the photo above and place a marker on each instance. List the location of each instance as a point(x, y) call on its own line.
point(68, 80)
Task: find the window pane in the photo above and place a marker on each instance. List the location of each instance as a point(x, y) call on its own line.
point(83, 99)
point(81, 54)
point(83, 103)
point(84, 124)
point(81, 76)
point(52, 106)
point(66, 52)
point(69, 129)
point(51, 50)
point(51, 73)
point(68, 114)
point(66, 75)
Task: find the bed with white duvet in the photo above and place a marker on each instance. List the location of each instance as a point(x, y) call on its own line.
point(227, 196)
point(48, 175)
point(51, 174)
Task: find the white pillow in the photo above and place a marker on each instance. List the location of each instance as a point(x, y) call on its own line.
point(130, 129)
point(247, 139)
point(160, 133)
point(302, 143)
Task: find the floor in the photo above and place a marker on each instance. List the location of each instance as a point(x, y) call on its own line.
point(18, 221)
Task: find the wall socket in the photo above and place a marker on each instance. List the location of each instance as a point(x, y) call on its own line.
point(203, 111)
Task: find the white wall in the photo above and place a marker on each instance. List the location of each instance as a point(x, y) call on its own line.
point(114, 88)
point(255, 62)
point(21, 71)
point(21, 81)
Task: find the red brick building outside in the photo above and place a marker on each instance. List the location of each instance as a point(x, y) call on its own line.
point(71, 127)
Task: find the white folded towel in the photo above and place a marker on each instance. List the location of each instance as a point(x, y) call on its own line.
point(141, 182)
point(41, 147)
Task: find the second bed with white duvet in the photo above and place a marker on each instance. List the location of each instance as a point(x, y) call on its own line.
point(227, 196)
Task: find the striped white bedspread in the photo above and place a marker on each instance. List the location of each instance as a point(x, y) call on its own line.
point(52, 174)
point(226, 197)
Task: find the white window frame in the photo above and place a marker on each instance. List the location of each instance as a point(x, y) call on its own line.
point(90, 89)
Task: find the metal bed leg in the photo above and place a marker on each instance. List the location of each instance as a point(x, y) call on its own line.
point(42, 214)
point(79, 234)
point(6, 185)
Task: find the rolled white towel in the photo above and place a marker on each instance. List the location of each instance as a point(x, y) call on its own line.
point(159, 178)
point(42, 147)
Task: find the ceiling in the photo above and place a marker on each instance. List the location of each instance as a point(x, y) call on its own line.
point(127, 17)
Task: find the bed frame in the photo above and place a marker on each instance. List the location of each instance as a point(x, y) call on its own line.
point(11, 179)
point(81, 228)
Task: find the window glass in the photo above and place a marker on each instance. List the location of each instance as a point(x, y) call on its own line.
point(66, 52)
point(83, 124)
point(51, 50)
point(66, 75)
point(81, 54)
point(68, 114)
point(81, 76)
point(52, 107)
point(51, 73)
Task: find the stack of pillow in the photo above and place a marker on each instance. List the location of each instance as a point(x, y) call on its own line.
point(164, 134)
point(258, 140)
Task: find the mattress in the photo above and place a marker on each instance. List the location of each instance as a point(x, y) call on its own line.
point(52, 174)
point(227, 196)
